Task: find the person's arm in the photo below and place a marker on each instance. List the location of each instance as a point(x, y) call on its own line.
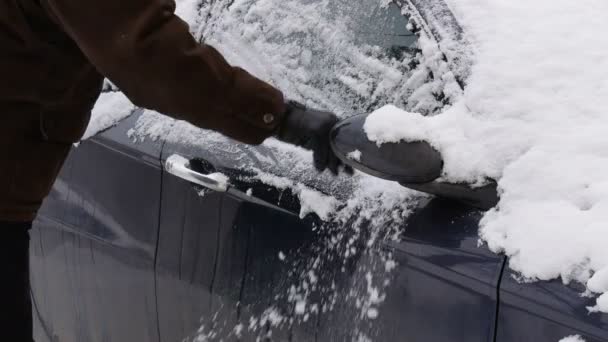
point(149, 53)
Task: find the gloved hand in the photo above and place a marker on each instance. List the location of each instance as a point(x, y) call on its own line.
point(309, 128)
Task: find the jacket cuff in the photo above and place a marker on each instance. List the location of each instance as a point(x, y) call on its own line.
point(260, 104)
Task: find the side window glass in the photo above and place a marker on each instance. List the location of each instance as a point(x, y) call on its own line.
point(342, 55)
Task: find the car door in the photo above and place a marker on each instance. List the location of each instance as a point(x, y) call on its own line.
point(547, 311)
point(243, 265)
point(93, 243)
point(240, 255)
point(444, 285)
point(218, 263)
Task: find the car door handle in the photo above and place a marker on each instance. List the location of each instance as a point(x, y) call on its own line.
point(180, 167)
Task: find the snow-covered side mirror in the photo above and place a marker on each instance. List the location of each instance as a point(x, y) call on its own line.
point(407, 162)
point(416, 165)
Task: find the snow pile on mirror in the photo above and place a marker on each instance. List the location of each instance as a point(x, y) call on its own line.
point(534, 116)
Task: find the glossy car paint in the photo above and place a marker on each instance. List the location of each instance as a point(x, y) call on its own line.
point(225, 268)
point(443, 289)
point(547, 311)
point(213, 248)
point(94, 243)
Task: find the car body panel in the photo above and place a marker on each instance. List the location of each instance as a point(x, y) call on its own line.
point(92, 260)
point(442, 289)
point(237, 242)
point(210, 251)
point(547, 311)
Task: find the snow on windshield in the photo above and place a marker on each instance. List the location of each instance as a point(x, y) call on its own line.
point(534, 117)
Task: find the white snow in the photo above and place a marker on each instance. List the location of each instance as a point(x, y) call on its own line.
point(391, 124)
point(372, 313)
point(572, 338)
point(390, 265)
point(238, 330)
point(188, 10)
point(219, 177)
point(111, 107)
point(354, 155)
point(312, 201)
point(300, 307)
point(272, 316)
point(533, 117)
point(601, 304)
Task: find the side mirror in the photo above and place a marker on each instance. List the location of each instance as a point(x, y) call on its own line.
point(415, 165)
point(407, 162)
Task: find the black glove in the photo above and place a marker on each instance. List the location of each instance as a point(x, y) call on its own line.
point(309, 128)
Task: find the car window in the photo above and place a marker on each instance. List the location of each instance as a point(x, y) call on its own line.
point(382, 26)
point(341, 55)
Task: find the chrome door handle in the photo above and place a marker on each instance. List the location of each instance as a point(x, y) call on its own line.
point(180, 167)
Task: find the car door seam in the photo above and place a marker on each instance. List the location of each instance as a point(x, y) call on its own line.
point(244, 278)
point(44, 327)
point(497, 312)
point(158, 227)
point(217, 249)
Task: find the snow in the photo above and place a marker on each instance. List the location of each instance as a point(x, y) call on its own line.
point(572, 338)
point(601, 304)
point(238, 330)
point(300, 308)
point(219, 177)
point(533, 117)
point(272, 316)
point(372, 313)
point(354, 155)
point(312, 201)
point(391, 124)
point(108, 111)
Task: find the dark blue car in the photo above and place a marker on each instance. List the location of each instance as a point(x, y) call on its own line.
point(146, 240)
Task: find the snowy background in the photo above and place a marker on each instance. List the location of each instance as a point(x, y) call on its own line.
point(532, 115)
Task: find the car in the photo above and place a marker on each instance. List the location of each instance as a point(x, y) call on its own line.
point(158, 231)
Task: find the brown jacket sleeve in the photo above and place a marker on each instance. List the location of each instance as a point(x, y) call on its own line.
point(149, 53)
